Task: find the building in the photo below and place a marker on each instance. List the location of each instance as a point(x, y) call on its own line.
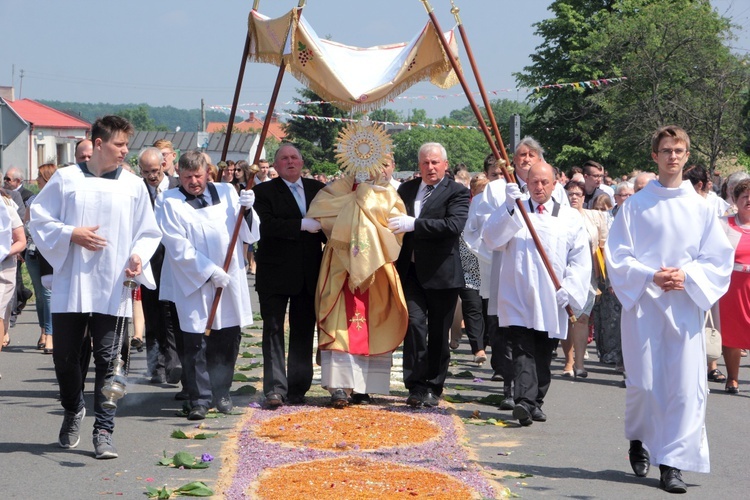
point(50, 137)
point(241, 146)
point(252, 124)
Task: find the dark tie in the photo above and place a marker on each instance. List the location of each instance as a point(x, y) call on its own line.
point(427, 192)
point(524, 188)
point(202, 201)
point(540, 209)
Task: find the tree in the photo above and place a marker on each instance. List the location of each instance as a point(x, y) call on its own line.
point(675, 74)
point(140, 118)
point(467, 146)
point(315, 138)
point(385, 115)
point(502, 109)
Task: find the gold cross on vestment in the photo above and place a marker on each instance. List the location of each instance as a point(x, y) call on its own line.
point(358, 320)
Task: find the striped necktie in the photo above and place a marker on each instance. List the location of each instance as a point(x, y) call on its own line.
point(427, 192)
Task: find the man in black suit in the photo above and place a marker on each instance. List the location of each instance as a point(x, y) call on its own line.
point(430, 269)
point(163, 345)
point(288, 260)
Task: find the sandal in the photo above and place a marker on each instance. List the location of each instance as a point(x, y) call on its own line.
point(6, 341)
point(716, 376)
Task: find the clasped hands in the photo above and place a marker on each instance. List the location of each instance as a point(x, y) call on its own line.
point(670, 278)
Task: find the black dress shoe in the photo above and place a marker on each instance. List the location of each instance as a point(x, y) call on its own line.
point(430, 399)
point(182, 396)
point(174, 375)
point(339, 399)
point(523, 415)
point(639, 459)
point(671, 481)
point(224, 404)
point(296, 399)
point(274, 400)
point(361, 399)
point(507, 404)
point(415, 399)
point(197, 412)
point(537, 415)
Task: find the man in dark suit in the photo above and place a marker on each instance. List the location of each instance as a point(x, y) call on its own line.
point(430, 269)
point(163, 345)
point(288, 260)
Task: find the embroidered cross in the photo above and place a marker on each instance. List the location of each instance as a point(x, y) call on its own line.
point(358, 320)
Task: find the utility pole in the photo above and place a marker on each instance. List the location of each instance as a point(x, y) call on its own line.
point(20, 89)
point(203, 115)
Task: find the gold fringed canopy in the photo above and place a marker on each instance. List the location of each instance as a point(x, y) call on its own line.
point(352, 78)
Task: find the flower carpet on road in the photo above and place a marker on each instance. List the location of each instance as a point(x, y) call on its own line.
point(377, 451)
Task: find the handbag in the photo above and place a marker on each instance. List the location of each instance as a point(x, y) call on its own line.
point(713, 338)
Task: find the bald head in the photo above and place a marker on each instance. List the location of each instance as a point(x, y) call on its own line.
point(84, 150)
point(152, 164)
point(541, 182)
point(642, 179)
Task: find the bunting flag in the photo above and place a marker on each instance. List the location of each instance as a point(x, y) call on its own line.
point(351, 78)
point(578, 85)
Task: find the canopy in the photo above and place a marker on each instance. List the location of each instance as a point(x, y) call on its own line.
point(352, 78)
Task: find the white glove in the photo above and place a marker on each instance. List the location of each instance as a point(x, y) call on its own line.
point(310, 225)
point(401, 224)
point(220, 278)
point(562, 297)
point(512, 193)
point(247, 198)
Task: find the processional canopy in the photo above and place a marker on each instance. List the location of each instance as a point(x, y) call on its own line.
point(351, 78)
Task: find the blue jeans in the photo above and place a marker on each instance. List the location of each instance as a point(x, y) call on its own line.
point(43, 313)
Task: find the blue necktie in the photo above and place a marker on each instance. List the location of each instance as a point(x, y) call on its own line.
point(299, 198)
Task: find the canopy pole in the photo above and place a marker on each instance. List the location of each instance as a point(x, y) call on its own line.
point(519, 204)
point(258, 151)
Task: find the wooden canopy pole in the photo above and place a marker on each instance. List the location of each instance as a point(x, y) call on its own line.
point(519, 204)
point(258, 152)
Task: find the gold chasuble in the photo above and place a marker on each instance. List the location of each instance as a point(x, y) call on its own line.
point(359, 300)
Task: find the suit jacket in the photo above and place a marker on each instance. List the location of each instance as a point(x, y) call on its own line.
point(288, 259)
point(25, 193)
point(158, 258)
point(437, 230)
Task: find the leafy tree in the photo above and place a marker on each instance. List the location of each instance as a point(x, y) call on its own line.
point(139, 118)
point(502, 109)
point(316, 139)
point(467, 146)
point(386, 115)
point(679, 71)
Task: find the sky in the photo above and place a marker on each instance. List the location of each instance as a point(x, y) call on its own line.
point(177, 52)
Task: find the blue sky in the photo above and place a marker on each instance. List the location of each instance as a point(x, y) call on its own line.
point(175, 52)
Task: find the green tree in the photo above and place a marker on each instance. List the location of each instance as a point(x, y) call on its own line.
point(386, 115)
point(502, 109)
point(140, 118)
point(316, 139)
point(678, 67)
point(467, 146)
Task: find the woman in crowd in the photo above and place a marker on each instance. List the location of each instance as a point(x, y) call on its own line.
point(243, 175)
point(734, 306)
point(596, 224)
point(38, 267)
point(227, 171)
point(8, 265)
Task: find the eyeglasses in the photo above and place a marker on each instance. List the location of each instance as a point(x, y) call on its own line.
point(595, 176)
point(6, 178)
point(577, 194)
point(623, 195)
point(668, 152)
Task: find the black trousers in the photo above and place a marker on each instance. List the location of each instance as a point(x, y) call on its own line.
point(502, 353)
point(292, 375)
point(471, 308)
point(71, 354)
point(426, 350)
point(209, 364)
point(161, 332)
point(532, 356)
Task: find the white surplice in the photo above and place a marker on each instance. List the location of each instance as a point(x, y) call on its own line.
point(92, 281)
point(526, 294)
point(196, 242)
point(663, 343)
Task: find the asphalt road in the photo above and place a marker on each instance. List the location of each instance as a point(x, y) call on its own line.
point(580, 452)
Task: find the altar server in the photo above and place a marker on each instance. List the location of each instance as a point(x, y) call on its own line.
point(197, 220)
point(668, 261)
point(93, 222)
point(527, 303)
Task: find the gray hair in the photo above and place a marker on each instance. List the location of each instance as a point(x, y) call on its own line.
point(732, 181)
point(192, 161)
point(430, 146)
point(17, 173)
point(532, 144)
point(623, 185)
point(151, 151)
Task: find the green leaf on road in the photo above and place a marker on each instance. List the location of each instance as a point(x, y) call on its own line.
point(246, 390)
point(194, 489)
point(464, 374)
